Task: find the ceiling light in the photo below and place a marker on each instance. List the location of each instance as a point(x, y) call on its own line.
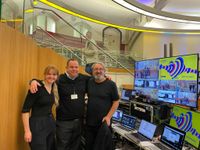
point(11, 20)
point(35, 2)
point(154, 13)
point(29, 10)
point(141, 29)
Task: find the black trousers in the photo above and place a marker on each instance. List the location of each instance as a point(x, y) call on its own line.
point(43, 133)
point(90, 136)
point(68, 134)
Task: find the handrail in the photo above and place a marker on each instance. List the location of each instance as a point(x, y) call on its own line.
point(60, 43)
point(99, 48)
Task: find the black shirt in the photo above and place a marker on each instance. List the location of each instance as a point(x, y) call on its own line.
point(68, 108)
point(40, 102)
point(101, 97)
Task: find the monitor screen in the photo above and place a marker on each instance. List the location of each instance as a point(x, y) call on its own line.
point(172, 80)
point(117, 116)
point(128, 121)
point(187, 121)
point(147, 129)
point(146, 78)
point(126, 94)
point(178, 80)
point(134, 93)
point(173, 137)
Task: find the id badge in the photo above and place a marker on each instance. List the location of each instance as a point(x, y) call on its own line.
point(74, 96)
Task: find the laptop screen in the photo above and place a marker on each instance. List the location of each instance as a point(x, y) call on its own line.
point(147, 129)
point(126, 94)
point(173, 137)
point(128, 121)
point(117, 116)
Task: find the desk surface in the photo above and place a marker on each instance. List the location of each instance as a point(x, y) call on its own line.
point(146, 145)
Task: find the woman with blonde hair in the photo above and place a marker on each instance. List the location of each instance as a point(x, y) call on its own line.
point(39, 124)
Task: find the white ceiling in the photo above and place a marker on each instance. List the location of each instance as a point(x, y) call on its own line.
point(186, 7)
point(114, 13)
point(109, 11)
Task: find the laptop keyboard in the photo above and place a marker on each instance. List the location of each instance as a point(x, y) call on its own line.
point(161, 146)
point(140, 137)
point(124, 128)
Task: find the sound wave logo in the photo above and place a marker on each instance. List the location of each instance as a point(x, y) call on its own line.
point(184, 123)
point(176, 68)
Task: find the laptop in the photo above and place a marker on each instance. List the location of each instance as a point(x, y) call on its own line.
point(127, 122)
point(145, 133)
point(126, 95)
point(171, 138)
point(117, 116)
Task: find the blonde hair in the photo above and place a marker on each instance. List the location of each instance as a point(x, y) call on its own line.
point(55, 87)
point(49, 68)
point(55, 92)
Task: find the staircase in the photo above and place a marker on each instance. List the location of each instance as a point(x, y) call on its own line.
point(73, 47)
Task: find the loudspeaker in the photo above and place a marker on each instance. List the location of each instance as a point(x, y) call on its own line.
point(165, 50)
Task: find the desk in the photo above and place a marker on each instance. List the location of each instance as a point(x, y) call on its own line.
point(146, 145)
point(123, 134)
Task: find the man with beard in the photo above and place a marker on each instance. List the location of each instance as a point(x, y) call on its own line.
point(103, 100)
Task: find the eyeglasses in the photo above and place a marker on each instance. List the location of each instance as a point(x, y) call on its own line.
point(98, 69)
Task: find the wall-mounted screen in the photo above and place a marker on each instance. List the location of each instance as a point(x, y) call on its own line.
point(178, 80)
point(188, 121)
point(172, 80)
point(146, 78)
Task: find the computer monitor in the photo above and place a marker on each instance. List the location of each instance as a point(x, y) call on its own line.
point(128, 121)
point(134, 93)
point(126, 95)
point(178, 76)
point(147, 129)
point(187, 121)
point(171, 80)
point(117, 116)
point(146, 78)
point(173, 137)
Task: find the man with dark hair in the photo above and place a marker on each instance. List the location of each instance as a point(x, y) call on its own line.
point(103, 100)
point(69, 114)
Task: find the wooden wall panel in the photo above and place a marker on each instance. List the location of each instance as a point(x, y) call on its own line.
point(19, 62)
point(47, 57)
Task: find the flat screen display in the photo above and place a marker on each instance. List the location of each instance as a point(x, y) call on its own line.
point(128, 121)
point(146, 78)
point(188, 121)
point(126, 94)
point(173, 137)
point(178, 80)
point(117, 116)
point(172, 80)
point(147, 129)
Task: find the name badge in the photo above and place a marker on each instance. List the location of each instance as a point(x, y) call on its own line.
point(74, 96)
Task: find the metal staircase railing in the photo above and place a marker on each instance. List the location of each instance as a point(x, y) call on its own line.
point(78, 55)
point(56, 45)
